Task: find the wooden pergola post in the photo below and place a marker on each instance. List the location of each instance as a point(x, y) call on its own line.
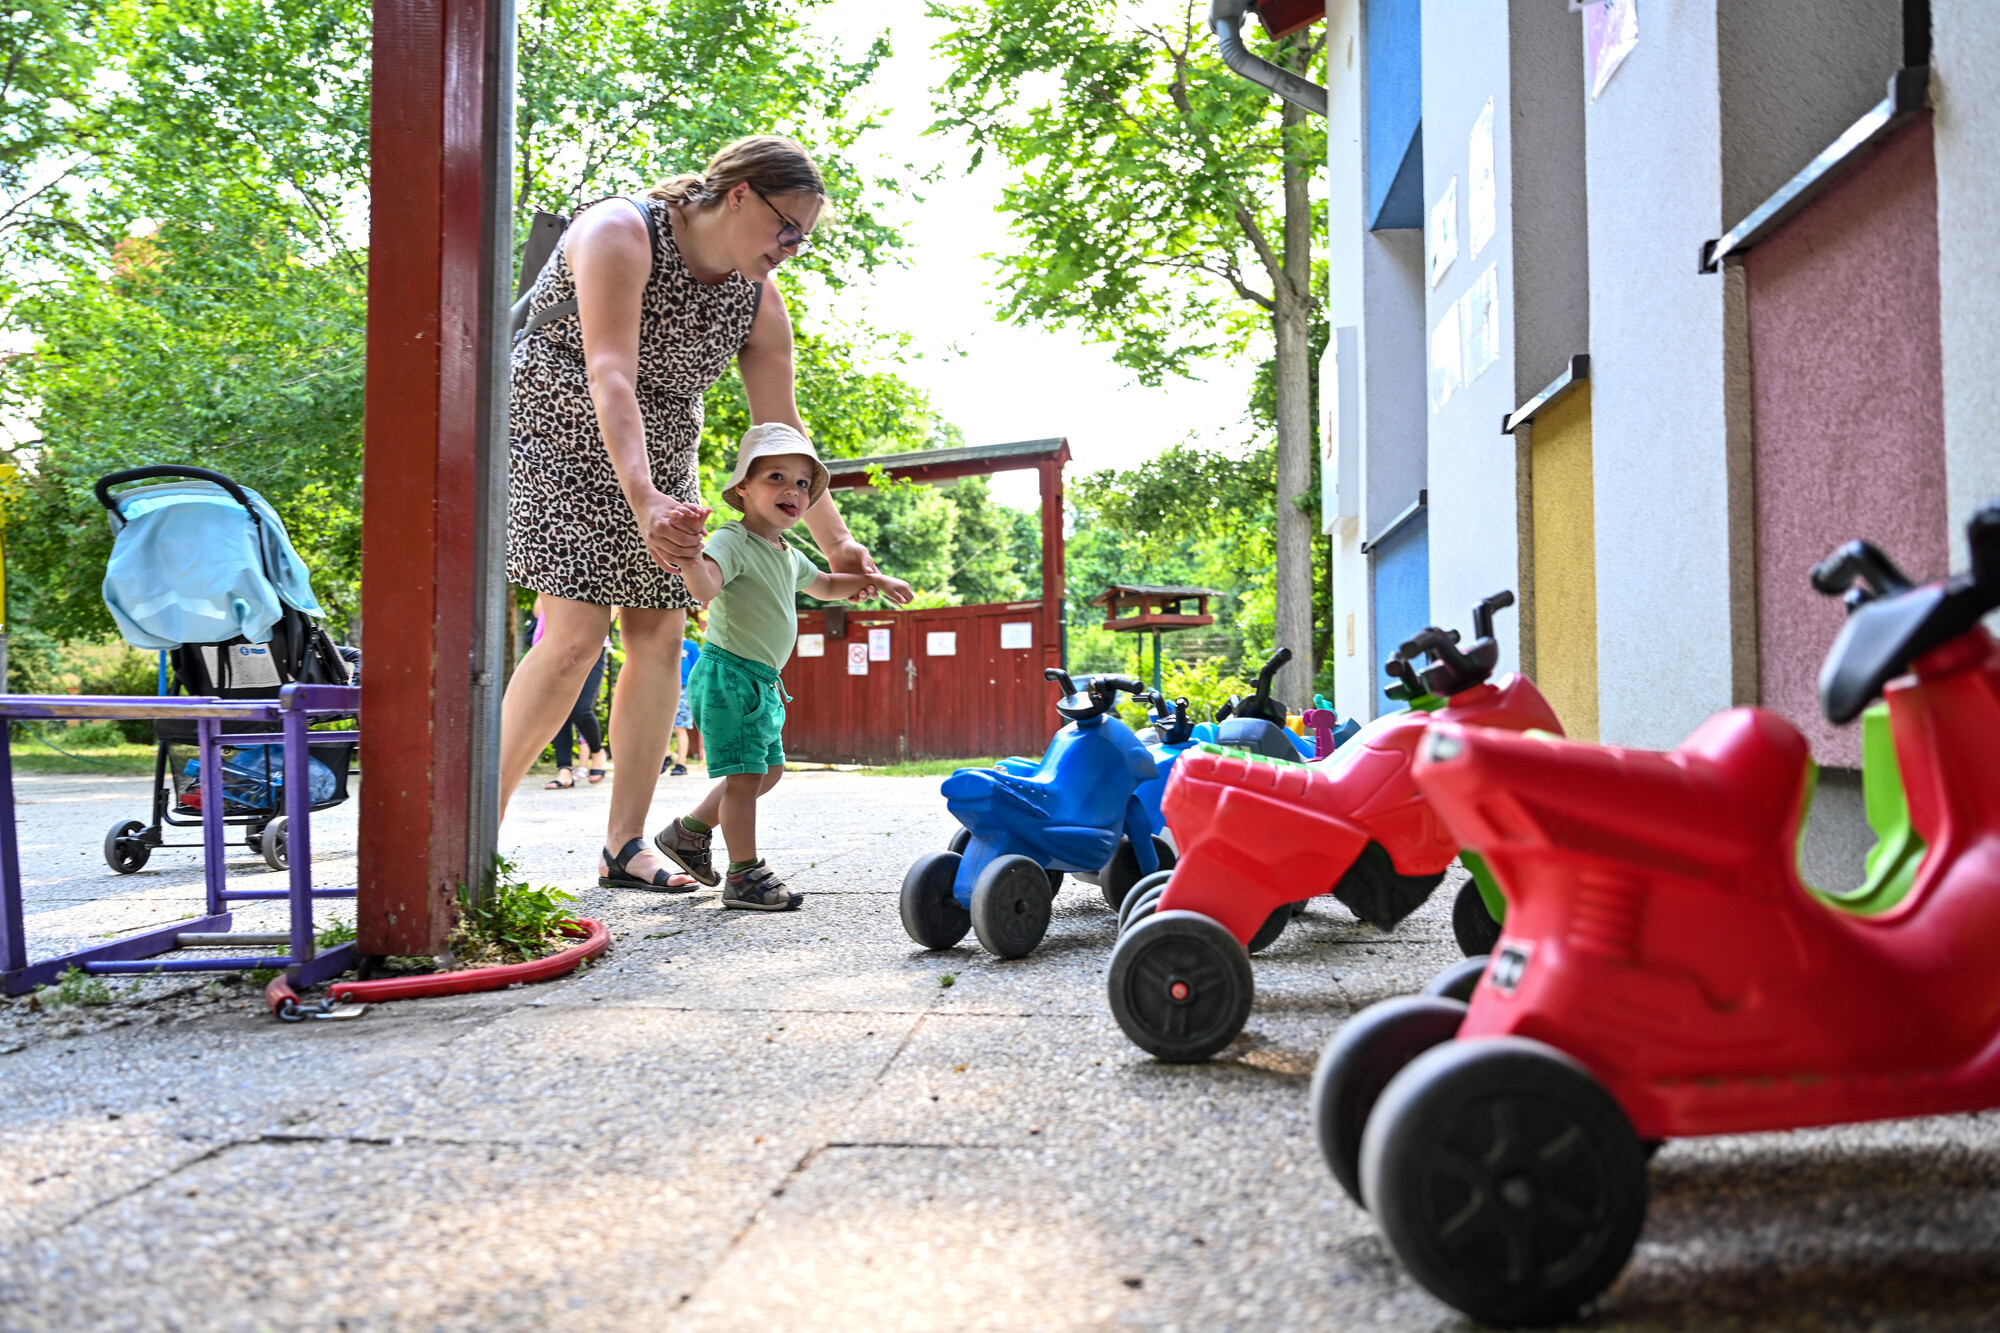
point(432, 495)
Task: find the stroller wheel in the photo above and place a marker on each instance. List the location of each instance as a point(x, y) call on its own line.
point(272, 844)
point(123, 851)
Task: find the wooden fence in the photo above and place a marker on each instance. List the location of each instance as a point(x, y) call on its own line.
point(955, 682)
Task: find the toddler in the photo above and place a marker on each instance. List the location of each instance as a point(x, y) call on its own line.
point(748, 576)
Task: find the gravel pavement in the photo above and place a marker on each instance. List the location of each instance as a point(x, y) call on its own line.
point(739, 1121)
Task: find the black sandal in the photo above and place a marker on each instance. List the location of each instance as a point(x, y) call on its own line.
point(618, 877)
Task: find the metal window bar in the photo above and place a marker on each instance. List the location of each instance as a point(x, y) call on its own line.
point(140, 954)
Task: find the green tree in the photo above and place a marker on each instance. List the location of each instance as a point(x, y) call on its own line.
point(47, 60)
point(204, 301)
point(1160, 204)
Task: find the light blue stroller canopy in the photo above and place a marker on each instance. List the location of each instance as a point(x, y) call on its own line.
point(190, 563)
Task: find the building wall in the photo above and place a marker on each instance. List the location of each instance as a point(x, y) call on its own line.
point(1401, 570)
point(1658, 420)
point(1848, 409)
point(1473, 537)
point(1794, 74)
point(1966, 92)
point(1565, 561)
point(1345, 308)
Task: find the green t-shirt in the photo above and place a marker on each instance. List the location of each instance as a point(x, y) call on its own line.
point(754, 615)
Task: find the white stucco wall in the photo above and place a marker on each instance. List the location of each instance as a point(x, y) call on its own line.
point(1966, 90)
point(1352, 651)
point(1657, 362)
point(1474, 549)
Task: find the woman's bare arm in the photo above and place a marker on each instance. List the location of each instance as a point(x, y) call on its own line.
point(771, 385)
point(611, 255)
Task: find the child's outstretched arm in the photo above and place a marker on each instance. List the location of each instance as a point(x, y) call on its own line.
point(703, 577)
point(840, 587)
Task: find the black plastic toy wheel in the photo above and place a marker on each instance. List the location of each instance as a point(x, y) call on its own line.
point(1180, 986)
point(1274, 926)
point(272, 844)
point(1473, 926)
point(1506, 1178)
point(1010, 906)
point(124, 851)
point(1123, 870)
point(1151, 885)
point(931, 914)
point(1370, 1049)
point(1140, 906)
point(1458, 981)
point(1376, 892)
point(1055, 881)
point(959, 841)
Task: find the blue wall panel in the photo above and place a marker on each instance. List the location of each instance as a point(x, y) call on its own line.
point(1395, 100)
point(1401, 569)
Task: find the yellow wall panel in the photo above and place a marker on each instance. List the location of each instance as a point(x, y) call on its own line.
point(1565, 561)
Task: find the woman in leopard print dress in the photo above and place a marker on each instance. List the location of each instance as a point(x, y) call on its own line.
point(604, 497)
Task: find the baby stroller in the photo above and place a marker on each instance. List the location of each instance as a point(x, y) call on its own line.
point(202, 569)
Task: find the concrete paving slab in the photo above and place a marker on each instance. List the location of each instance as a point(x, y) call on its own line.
point(775, 1122)
point(413, 1235)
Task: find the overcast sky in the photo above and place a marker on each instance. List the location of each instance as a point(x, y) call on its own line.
point(1009, 383)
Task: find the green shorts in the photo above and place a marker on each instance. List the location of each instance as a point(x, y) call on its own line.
point(739, 706)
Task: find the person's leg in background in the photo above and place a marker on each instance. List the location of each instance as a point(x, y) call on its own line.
point(565, 744)
point(584, 718)
point(545, 685)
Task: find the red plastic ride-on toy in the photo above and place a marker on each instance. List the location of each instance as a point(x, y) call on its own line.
point(1664, 972)
point(1258, 834)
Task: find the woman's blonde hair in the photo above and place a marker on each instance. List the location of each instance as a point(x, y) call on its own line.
point(767, 162)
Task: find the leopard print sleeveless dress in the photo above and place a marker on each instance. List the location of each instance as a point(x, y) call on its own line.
point(570, 532)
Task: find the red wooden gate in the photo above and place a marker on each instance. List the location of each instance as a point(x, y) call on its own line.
point(954, 682)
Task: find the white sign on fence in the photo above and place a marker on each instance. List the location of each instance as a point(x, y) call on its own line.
point(941, 643)
point(878, 645)
point(857, 659)
point(812, 645)
point(1017, 634)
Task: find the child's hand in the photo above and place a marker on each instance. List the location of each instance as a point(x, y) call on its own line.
point(895, 590)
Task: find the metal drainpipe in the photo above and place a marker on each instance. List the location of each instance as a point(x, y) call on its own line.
point(1225, 20)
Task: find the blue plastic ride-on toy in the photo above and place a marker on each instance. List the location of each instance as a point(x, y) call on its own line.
point(1024, 829)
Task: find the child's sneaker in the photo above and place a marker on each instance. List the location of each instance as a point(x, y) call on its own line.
point(759, 889)
point(689, 851)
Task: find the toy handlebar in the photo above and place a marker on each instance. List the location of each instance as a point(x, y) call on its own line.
point(1451, 671)
point(1260, 704)
point(1091, 696)
point(1862, 572)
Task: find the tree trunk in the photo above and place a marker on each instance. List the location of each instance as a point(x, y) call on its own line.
point(1290, 325)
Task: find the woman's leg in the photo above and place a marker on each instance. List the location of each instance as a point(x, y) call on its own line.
point(545, 686)
point(642, 717)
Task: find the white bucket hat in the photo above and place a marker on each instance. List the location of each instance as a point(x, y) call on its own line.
point(773, 439)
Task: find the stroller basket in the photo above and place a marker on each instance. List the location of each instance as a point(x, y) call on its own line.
point(253, 778)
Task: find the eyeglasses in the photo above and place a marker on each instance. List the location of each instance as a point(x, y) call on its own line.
point(791, 236)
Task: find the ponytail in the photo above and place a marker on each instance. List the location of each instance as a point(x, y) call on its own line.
point(766, 162)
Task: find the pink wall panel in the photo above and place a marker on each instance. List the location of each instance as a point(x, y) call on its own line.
point(1848, 409)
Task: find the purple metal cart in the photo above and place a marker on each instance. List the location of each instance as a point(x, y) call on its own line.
point(294, 709)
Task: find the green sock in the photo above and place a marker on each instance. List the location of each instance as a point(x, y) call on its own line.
point(738, 867)
point(693, 825)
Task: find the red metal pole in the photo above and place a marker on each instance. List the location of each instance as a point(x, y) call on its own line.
point(433, 129)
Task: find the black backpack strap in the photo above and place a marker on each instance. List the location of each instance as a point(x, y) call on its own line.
point(563, 309)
